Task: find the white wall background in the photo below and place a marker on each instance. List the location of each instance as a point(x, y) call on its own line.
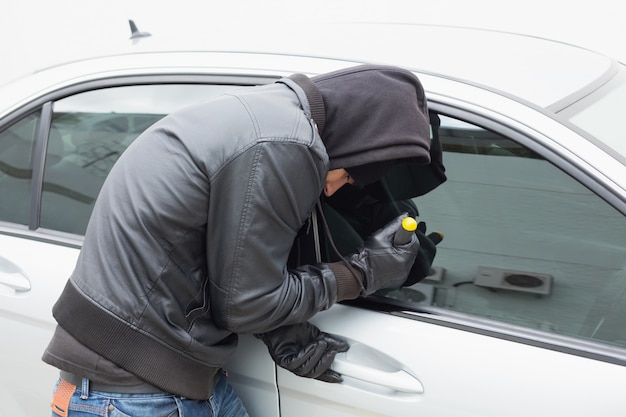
point(35, 33)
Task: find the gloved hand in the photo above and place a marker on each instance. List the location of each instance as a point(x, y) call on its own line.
point(425, 255)
point(304, 350)
point(384, 265)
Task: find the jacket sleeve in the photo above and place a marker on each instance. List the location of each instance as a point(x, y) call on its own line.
point(267, 194)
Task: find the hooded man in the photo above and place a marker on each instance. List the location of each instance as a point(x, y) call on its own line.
point(189, 240)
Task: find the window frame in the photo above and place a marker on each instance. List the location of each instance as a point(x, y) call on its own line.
point(46, 104)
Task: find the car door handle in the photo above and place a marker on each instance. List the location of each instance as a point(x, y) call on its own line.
point(11, 276)
point(389, 377)
point(16, 282)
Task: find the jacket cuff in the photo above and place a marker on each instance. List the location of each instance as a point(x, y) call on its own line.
point(349, 282)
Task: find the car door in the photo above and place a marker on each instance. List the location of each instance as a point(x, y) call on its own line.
point(523, 313)
point(53, 160)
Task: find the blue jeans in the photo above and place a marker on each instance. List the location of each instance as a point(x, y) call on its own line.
point(223, 403)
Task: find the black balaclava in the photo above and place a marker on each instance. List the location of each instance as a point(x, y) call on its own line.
point(374, 116)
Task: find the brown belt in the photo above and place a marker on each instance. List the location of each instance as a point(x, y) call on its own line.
point(77, 380)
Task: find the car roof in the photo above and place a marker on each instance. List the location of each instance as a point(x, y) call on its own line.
point(537, 70)
point(531, 69)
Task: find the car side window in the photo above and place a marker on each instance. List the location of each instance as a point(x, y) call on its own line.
point(88, 134)
point(16, 168)
point(524, 242)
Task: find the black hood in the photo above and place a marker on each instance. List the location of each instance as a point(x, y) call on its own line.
point(374, 115)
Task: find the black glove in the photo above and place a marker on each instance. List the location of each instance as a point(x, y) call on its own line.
point(425, 255)
point(384, 265)
point(304, 350)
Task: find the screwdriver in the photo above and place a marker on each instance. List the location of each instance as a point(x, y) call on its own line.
point(405, 231)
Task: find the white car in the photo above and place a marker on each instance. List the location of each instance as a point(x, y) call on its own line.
point(524, 313)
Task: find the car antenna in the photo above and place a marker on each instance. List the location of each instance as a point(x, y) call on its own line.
point(135, 32)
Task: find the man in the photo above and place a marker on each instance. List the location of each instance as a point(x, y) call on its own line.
point(189, 240)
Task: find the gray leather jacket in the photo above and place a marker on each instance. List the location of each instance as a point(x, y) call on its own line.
point(188, 242)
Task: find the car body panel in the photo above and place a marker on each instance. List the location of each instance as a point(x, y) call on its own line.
point(31, 274)
point(534, 69)
point(486, 379)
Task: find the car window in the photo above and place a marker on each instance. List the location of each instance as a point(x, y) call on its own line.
point(88, 134)
point(16, 168)
point(524, 243)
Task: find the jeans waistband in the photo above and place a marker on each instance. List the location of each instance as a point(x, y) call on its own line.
point(118, 389)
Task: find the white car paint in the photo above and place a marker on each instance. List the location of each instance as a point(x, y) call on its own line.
point(26, 320)
point(434, 363)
